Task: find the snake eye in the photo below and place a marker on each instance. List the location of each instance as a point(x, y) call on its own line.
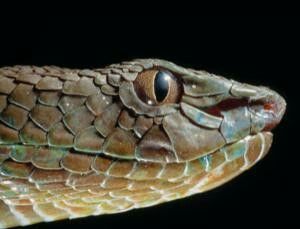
point(157, 87)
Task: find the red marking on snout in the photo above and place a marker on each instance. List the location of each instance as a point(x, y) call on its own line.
point(269, 106)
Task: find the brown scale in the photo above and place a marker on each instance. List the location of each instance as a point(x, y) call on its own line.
point(50, 98)
point(126, 120)
point(23, 95)
point(98, 102)
point(89, 140)
point(60, 136)
point(78, 119)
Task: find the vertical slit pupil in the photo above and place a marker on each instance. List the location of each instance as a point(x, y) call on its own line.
point(161, 85)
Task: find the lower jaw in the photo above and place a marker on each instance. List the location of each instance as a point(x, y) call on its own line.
point(257, 146)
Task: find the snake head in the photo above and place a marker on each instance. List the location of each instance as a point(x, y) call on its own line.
point(130, 135)
point(199, 113)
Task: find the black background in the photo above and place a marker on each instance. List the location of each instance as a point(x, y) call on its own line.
point(254, 45)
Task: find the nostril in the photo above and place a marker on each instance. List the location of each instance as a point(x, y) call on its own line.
point(269, 106)
point(267, 110)
point(276, 106)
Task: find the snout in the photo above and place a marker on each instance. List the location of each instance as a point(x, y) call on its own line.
point(267, 109)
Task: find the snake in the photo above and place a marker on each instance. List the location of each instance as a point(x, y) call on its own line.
point(87, 142)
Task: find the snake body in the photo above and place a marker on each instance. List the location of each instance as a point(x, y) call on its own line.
point(75, 143)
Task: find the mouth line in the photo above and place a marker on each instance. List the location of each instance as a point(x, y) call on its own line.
point(267, 110)
point(233, 103)
point(204, 157)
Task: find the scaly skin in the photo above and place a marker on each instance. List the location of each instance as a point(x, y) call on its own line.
point(75, 143)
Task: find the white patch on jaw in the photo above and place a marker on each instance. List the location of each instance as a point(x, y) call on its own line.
point(110, 167)
point(197, 187)
point(66, 209)
point(158, 176)
point(207, 164)
point(129, 186)
point(103, 183)
point(176, 157)
point(39, 212)
point(263, 146)
point(246, 161)
point(218, 171)
point(112, 195)
point(98, 210)
point(19, 216)
point(132, 170)
point(186, 169)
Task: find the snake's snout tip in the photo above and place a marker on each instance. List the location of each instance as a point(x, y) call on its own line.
point(275, 105)
point(270, 108)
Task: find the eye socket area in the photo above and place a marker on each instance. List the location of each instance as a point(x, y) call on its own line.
point(157, 87)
